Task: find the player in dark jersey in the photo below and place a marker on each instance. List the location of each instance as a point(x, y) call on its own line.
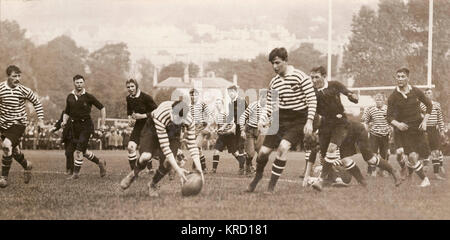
point(78, 109)
point(139, 107)
point(334, 123)
point(357, 136)
point(405, 115)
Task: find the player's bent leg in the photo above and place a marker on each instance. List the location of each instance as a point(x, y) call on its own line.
point(215, 162)
point(78, 162)
point(279, 164)
point(140, 165)
point(132, 154)
point(415, 165)
point(261, 162)
point(26, 165)
point(435, 155)
point(6, 162)
point(163, 169)
point(101, 163)
point(377, 161)
point(354, 170)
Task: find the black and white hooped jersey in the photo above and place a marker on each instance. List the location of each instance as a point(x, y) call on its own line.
point(200, 112)
point(436, 118)
point(251, 115)
point(163, 117)
point(12, 105)
point(376, 118)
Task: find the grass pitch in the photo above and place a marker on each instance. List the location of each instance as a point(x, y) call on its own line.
point(50, 196)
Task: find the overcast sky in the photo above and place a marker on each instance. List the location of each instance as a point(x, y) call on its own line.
point(153, 25)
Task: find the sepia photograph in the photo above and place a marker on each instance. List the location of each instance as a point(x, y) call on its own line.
point(224, 110)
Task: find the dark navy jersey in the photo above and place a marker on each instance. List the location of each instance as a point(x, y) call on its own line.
point(79, 107)
point(329, 104)
point(140, 103)
point(406, 108)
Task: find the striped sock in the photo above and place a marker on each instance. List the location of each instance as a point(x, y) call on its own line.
point(418, 168)
point(91, 157)
point(132, 157)
point(215, 161)
point(441, 159)
point(6, 165)
point(436, 164)
point(203, 162)
point(277, 169)
point(20, 158)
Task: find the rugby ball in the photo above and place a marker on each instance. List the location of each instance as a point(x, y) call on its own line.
point(193, 185)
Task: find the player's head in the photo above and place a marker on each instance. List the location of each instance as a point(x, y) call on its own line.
point(429, 93)
point(180, 111)
point(13, 72)
point(318, 76)
point(219, 104)
point(193, 94)
point(263, 96)
point(232, 92)
point(78, 82)
point(278, 57)
point(402, 76)
point(132, 86)
point(379, 99)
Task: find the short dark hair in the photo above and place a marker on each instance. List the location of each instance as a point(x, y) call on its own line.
point(403, 70)
point(133, 81)
point(232, 87)
point(320, 69)
point(12, 68)
point(278, 52)
point(78, 76)
point(192, 91)
point(428, 89)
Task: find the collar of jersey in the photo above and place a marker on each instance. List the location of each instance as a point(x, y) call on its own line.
point(408, 89)
point(138, 93)
point(325, 85)
point(289, 71)
point(82, 93)
point(8, 87)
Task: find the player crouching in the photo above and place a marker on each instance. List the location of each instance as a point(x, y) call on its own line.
point(161, 135)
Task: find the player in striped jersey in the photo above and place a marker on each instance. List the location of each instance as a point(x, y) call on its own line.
point(13, 120)
point(435, 130)
point(404, 114)
point(226, 133)
point(200, 113)
point(161, 135)
point(334, 124)
point(375, 122)
point(295, 105)
point(139, 107)
point(251, 129)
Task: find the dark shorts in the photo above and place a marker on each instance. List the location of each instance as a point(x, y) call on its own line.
point(397, 139)
point(136, 132)
point(81, 132)
point(149, 141)
point(357, 136)
point(251, 132)
point(434, 138)
point(228, 141)
point(379, 144)
point(13, 133)
point(413, 140)
point(290, 128)
point(332, 132)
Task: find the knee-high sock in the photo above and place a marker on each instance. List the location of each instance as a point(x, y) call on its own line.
point(6, 165)
point(202, 162)
point(132, 157)
point(354, 170)
point(215, 162)
point(441, 159)
point(77, 165)
point(277, 169)
point(69, 160)
point(91, 157)
point(436, 164)
point(418, 168)
point(160, 173)
point(241, 159)
point(261, 162)
point(20, 158)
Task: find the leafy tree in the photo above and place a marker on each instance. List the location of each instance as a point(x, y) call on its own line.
point(146, 68)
